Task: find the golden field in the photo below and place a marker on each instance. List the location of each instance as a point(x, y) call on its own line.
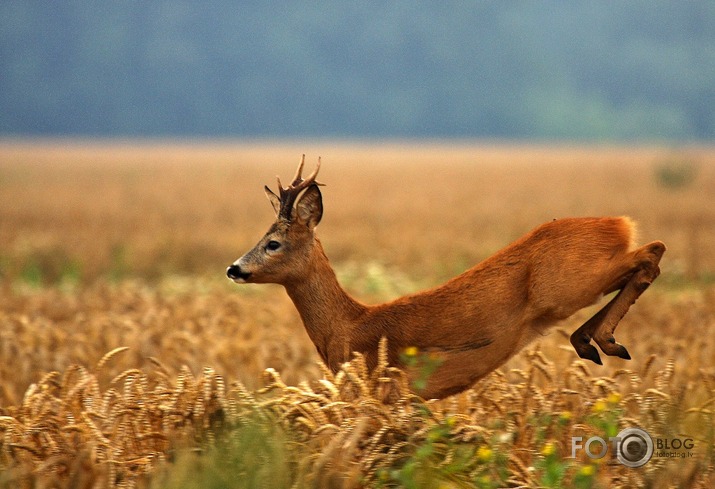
point(128, 359)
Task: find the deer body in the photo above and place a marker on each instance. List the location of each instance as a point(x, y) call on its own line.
point(476, 321)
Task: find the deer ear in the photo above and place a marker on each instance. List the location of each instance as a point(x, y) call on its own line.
point(275, 200)
point(309, 208)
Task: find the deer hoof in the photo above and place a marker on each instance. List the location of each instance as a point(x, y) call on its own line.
point(610, 347)
point(622, 352)
point(589, 352)
point(582, 344)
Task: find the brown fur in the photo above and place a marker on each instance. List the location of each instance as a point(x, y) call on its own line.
point(476, 321)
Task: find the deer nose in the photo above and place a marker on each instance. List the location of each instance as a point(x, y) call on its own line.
point(234, 273)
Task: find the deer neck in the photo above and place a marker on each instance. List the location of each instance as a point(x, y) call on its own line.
point(327, 311)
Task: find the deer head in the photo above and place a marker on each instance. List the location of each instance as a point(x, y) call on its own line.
point(284, 252)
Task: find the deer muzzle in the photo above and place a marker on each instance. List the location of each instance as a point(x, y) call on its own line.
point(235, 273)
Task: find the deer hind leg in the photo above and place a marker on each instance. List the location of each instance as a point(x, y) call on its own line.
point(640, 274)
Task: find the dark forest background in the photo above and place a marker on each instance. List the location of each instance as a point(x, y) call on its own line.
point(559, 70)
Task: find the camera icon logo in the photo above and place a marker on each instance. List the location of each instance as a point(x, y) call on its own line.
point(634, 447)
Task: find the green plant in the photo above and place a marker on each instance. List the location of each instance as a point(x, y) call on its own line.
point(676, 173)
point(436, 459)
point(254, 455)
point(424, 364)
point(119, 267)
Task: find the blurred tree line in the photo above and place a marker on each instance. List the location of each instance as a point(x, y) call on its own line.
point(640, 70)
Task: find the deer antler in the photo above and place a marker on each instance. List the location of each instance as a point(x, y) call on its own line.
point(289, 194)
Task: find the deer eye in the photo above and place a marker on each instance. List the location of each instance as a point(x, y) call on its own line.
point(273, 245)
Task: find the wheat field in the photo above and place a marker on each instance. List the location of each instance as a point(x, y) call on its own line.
point(127, 359)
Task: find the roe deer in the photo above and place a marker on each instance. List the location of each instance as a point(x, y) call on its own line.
point(476, 321)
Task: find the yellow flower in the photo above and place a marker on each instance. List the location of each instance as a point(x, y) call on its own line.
point(434, 436)
point(450, 421)
point(484, 454)
point(614, 398)
point(565, 415)
point(411, 351)
point(548, 449)
point(599, 406)
point(485, 481)
point(587, 470)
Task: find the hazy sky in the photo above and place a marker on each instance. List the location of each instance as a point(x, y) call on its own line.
point(536, 70)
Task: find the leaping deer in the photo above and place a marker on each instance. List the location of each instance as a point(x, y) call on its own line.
point(476, 321)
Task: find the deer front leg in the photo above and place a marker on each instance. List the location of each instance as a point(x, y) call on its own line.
point(602, 325)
